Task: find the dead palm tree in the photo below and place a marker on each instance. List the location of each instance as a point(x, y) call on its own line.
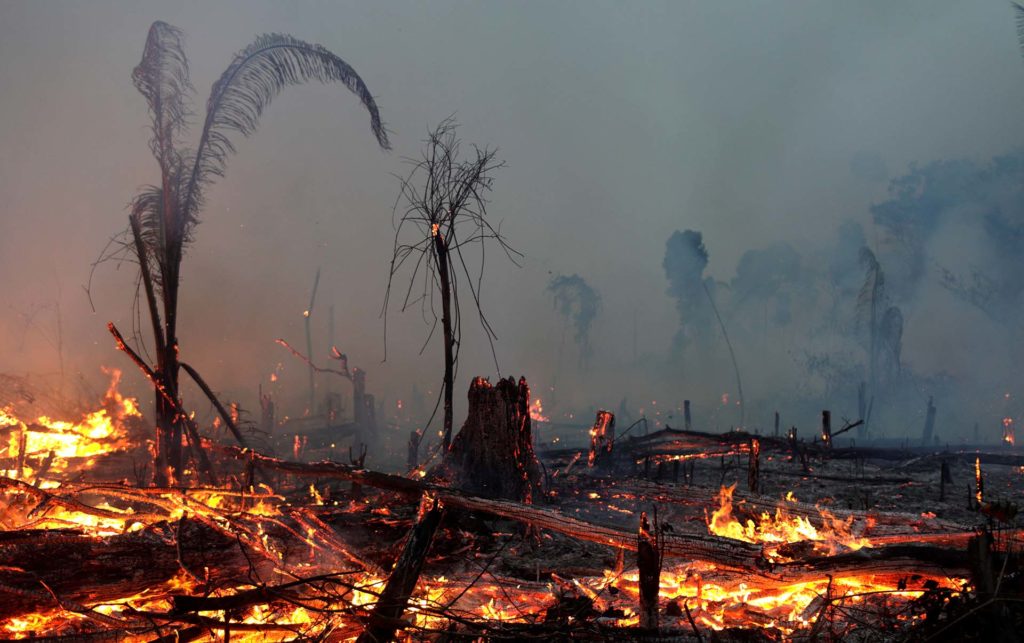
point(163, 216)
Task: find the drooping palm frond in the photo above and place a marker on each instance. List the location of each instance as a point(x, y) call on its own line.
point(162, 78)
point(255, 76)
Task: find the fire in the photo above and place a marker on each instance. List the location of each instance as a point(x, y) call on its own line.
point(1008, 433)
point(833, 536)
point(537, 412)
point(44, 446)
point(348, 585)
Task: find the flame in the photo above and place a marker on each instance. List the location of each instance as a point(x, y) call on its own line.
point(44, 446)
point(537, 412)
point(715, 598)
point(835, 535)
point(1008, 433)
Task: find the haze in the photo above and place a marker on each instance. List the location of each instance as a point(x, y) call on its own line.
point(620, 123)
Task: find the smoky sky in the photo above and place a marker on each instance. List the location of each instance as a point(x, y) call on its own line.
point(620, 123)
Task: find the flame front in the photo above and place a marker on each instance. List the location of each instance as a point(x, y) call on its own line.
point(833, 536)
point(36, 448)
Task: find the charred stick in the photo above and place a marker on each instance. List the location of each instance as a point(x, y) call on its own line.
point(204, 461)
point(216, 403)
point(406, 572)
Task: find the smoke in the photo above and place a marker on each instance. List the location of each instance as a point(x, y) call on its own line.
point(686, 258)
point(578, 303)
point(618, 131)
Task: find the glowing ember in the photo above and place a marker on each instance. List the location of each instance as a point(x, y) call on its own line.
point(833, 536)
point(537, 412)
point(36, 448)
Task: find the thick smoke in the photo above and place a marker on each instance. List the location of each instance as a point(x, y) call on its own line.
point(686, 258)
point(578, 303)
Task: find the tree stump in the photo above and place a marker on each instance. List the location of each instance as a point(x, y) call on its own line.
point(493, 455)
point(602, 438)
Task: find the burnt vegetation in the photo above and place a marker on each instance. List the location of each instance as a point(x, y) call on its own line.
point(728, 517)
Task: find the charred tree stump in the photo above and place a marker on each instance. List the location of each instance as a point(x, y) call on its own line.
point(648, 561)
point(686, 414)
point(602, 438)
point(492, 455)
point(754, 466)
point(945, 477)
point(394, 599)
point(826, 429)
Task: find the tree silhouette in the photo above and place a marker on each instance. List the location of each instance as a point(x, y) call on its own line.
point(444, 199)
point(579, 304)
point(163, 216)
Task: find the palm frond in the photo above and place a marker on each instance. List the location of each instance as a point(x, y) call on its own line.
point(162, 78)
point(147, 209)
point(255, 76)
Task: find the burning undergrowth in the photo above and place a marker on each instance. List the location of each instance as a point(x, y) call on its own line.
point(289, 550)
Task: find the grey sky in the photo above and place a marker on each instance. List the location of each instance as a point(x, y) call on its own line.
point(620, 122)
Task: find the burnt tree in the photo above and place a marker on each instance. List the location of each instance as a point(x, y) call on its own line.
point(444, 198)
point(492, 455)
point(163, 216)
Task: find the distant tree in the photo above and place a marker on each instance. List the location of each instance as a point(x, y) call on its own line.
point(443, 199)
point(578, 303)
point(686, 258)
point(164, 216)
point(882, 322)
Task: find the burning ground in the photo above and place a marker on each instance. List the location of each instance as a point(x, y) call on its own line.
point(839, 543)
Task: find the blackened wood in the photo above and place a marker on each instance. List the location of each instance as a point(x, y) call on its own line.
point(754, 466)
point(395, 597)
point(492, 455)
point(648, 561)
point(602, 438)
point(88, 570)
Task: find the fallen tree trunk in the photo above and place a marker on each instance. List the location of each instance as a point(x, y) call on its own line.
point(68, 569)
point(724, 552)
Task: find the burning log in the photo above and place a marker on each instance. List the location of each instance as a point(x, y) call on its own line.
point(726, 553)
point(60, 568)
point(393, 600)
point(493, 453)
point(826, 429)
